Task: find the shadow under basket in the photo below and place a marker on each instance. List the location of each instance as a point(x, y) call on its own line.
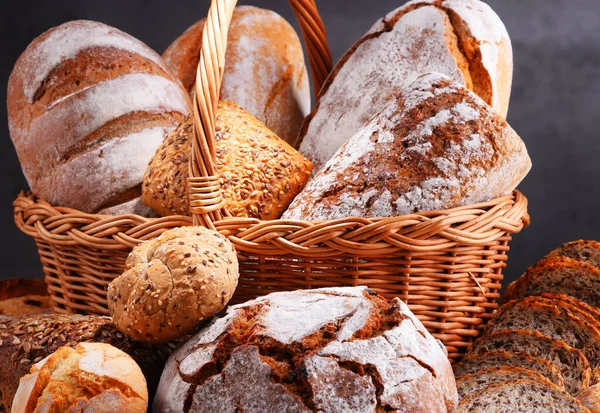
point(446, 265)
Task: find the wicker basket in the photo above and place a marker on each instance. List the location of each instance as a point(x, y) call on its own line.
point(446, 265)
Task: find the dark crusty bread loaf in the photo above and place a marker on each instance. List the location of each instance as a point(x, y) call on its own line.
point(435, 145)
point(87, 107)
point(531, 395)
point(259, 173)
point(473, 363)
point(582, 250)
point(27, 340)
point(469, 384)
point(552, 318)
point(23, 296)
point(558, 274)
point(264, 68)
point(462, 39)
point(571, 362)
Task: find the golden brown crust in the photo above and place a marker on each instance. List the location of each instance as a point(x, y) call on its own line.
point(264, 68)
point(173, 283)
point(590, 398)
point(76, 379)
point(260, 174)
point(581, 250)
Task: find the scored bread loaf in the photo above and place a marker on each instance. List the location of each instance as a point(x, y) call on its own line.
point(558, 274)
point(435, 145)
point(531, 395)
point(570, 361)
point(264, 68)
point(555, 319)
point(28, 340)
point(582, 250)
point(326, 350)
point(463, 39)
point(473, 363)
point(87, 107)
point(469, 384)
point(259, 173)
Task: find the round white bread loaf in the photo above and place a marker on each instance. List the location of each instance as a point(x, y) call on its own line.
point(463, 39)
point(434, 146)
point(92, 378)
point(264, 68)
point(88, 105)
point(326, 350)
point(173, 283)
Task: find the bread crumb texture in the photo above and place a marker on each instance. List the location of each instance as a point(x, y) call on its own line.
point(326, 350)
point(173, 283)
point(92, 377)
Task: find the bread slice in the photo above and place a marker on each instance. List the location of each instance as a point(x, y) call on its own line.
point(590, 398)
point(581, 250)
point(469, 384)
point(559, 275)
point(590, 313)
point(555, 319)
point(570, 361)
point(472, 364)
point(526, 395)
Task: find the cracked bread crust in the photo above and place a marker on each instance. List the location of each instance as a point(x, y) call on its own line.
point(434, 146)
point(317, 350)
point(463, 39)
point(173, 283)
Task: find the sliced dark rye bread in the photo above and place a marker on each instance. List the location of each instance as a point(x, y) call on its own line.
point(555, 319)
point(472, 364)
point(558, 274)
point(525, 395)
point(582, 250)
point(570, 361)
point(469, 384)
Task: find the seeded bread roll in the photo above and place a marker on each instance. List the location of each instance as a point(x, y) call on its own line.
point(264, 68)
point(558, 274)
point(91, 378)
point(260, 174)
point(435, 145)
point(518, 396)
point(473, 363)
point(325, 350)
point(469, 384)
point(568, 360)
point(87, 107)
point(30, 339)
point(462, 39)
point(554, 319)
point(173, 283)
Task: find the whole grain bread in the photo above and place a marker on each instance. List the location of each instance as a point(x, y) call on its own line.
point(264, 68)
point(435, 145)
point(590, 398)
point(554, 319)
point(531, 395)
point(462, 39)
point(326, 350)
point(27, 340)
point(570, 361)
point(24, 296)
point(473, 363)
point(259, 173)
point(558, 274)
point(581, 250)
point(87, 107)
point(469, 384)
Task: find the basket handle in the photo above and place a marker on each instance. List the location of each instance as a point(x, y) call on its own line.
point(207, 204)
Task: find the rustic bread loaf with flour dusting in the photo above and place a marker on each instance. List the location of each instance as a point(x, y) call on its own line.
point(87, 107)
point(463, 39)
point(326, 350)
point(264, 68)
point(435, 145)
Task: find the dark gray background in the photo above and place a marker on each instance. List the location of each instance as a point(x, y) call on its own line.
point(554, 103)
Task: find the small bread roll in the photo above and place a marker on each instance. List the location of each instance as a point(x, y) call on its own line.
point(92, 378)
point(173, 283)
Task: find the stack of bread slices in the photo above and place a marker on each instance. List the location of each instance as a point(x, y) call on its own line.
point(542, 348)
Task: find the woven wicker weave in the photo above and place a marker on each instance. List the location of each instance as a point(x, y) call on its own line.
point(446, 265)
